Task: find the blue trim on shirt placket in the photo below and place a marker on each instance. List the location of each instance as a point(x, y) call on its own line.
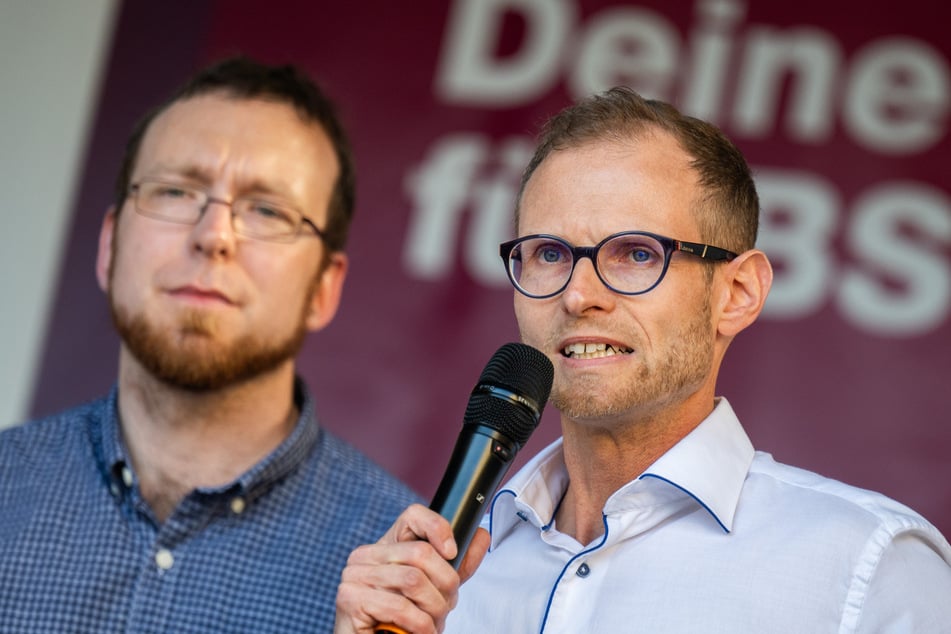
point(551, 595)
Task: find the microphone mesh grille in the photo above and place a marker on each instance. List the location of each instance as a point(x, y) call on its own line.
point(522, 370)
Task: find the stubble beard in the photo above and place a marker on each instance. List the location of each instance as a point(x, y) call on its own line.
point(675, 375)
point(190, 356)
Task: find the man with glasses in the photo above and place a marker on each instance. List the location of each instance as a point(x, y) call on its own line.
point(201, 495)
point(635, 268)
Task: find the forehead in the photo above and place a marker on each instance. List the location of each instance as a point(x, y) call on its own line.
point(607, 186)
point(216, 136)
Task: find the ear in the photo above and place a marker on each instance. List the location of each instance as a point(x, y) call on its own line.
point(748, 279)
point(104, 255)
point(325, 297)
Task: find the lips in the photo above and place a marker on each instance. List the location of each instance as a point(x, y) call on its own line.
point(200, 294)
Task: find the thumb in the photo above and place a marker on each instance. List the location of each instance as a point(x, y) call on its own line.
point(475, 554)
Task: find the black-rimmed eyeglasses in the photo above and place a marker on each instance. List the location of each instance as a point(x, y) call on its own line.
point(251, 217)
point(629, 263)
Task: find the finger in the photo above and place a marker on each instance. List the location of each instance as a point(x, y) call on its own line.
point(360, 609)
point(420, 523)
point(405, 595)
point(412, 568)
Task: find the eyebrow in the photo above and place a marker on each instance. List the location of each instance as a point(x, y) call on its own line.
point(185, 172)
point(203, 176)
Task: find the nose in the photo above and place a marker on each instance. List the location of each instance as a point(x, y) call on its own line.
point(586, 291)
point(213, 235)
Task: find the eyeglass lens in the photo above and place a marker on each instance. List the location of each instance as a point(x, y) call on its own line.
point(254, 218)
point(628, 263)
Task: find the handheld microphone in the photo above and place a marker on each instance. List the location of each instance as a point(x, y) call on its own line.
point(504, 409)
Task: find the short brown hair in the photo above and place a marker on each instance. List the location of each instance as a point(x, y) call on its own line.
point(243, 78)
point(728, 212)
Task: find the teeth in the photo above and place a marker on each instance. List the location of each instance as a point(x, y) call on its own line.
point(592, 350)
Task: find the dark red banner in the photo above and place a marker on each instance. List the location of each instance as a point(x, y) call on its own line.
point(841, 108)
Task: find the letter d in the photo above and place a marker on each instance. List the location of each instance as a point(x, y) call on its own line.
point(469, 73)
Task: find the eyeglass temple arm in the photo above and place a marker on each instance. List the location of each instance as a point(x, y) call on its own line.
point(704, 251)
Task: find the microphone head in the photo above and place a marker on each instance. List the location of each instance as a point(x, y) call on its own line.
point(511, 392)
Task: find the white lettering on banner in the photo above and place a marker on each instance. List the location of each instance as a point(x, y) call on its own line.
point(493, 200)
point(468, 71)
point(923, 297)
point(439, 189)
point(798, 223)
point(890, 282)
point(455, 177)
point(626, 46)
point(812, 58)
point(894, 96)
point(710, 54)
point(903, 75)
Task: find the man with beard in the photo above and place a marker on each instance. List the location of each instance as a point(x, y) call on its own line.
point(634, 269)
point(201, 495)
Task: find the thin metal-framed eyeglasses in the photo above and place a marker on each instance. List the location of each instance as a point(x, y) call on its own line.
point(250, 217)
point(629, 263)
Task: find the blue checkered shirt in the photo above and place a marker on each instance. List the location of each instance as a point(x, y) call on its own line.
point(80, 551)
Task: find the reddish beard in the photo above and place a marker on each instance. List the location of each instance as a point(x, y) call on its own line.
point(191, 357)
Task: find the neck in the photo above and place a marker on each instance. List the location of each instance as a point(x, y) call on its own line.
point(602, 458)
point(180, 440)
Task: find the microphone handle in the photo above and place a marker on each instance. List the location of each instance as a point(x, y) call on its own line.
point(481, 458)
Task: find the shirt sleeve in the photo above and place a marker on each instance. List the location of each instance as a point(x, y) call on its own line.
point(910, 589)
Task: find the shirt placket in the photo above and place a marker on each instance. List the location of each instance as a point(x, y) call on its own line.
point(158, 589)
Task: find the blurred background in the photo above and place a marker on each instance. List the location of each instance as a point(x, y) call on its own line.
point(842, 110)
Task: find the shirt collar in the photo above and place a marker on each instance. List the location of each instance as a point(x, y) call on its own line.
point(709, 464)
point(112, 455)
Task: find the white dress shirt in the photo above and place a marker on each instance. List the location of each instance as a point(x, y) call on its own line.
point(713, 537)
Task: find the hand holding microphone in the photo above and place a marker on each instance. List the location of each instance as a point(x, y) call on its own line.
point(504, 409)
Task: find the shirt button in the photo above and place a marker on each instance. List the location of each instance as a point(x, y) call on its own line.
point(114, 489)
point(164, 559)
point(127, 476)
point(237, 506)
point(583, 571)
